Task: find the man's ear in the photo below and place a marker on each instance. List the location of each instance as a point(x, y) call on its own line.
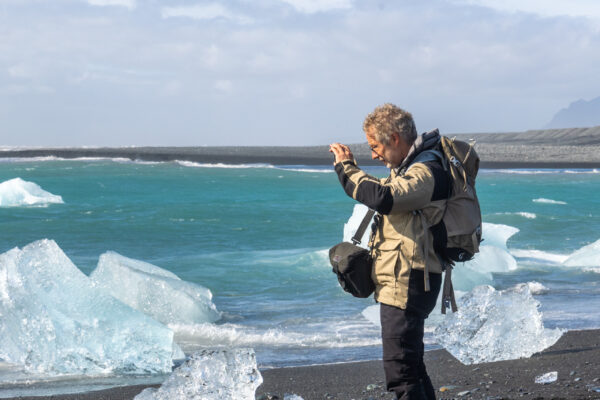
point(395, 139)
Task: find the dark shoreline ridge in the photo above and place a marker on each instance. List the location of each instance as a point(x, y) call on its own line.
point(552, 148)
point(576, 358)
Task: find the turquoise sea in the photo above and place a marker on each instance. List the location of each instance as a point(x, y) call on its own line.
point(257, 237)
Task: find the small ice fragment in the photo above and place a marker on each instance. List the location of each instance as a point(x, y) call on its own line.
point(218, 374)
point(548, 377)
point(18, 193)
point(292, 397)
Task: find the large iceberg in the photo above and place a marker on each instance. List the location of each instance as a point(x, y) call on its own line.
point(17, 192)
point(493, 325)
point(54, 321)
point(154, 291)
point(219, 374)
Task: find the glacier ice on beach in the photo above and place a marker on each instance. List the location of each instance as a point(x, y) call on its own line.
point(350, 227)
point(587, 256)
point(54, 321)
point(493, 257)
point(494, 325)
point(154, 291)
point(211, 374)
point(17, 193)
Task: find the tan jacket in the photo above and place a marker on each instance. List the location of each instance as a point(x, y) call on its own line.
point(398, 244)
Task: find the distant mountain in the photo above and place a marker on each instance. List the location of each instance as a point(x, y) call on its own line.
point(580, 113)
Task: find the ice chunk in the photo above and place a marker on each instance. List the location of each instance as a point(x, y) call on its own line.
point(55, 321)
point(493, 257)
point(495, 325)
point(153, 290)
point(497, 234)
point(371, 313)
point(587, 256)
point(291, 396)
point(224, 374)
point(353, 223)
point(548, 377)
point(17, 192)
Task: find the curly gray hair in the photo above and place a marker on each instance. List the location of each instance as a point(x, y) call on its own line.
point(389, 119)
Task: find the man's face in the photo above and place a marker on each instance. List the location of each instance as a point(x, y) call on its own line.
point(391, 154)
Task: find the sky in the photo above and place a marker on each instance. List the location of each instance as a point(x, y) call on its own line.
point(285, 72)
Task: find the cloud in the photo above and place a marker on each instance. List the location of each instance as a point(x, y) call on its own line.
point(224, 85)
point(121, 3)
point(545, 8)
point(205, 12)
point(315, 6)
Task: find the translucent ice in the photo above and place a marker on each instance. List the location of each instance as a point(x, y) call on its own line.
point(54, 321)
point(17, 192)
point(224, 374)
point(153, 290)
point(493, 257)
point(351, 226)
point(587, 256)
point(495, 325)
point(548, 377)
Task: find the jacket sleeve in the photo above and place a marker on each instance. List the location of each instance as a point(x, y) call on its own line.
point(408, 192)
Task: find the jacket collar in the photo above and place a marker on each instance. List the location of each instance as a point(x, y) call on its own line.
point(425, 141)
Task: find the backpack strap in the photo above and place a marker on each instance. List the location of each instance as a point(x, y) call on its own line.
point(448, 291)
point(425, 249)
point(430, 155)
point(448, 298)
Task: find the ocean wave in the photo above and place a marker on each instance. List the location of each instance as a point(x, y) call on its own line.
point(525, 171)
point(193, 164)
point(539, 255)
point(353, 332)
point(548, 201)
point(19, 193)
point(523, 214)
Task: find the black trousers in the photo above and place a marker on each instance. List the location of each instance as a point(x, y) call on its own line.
point(402, 336)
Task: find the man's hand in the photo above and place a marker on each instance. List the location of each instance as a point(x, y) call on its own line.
point(341, 152)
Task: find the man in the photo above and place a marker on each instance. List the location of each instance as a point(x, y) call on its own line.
point(406, 271)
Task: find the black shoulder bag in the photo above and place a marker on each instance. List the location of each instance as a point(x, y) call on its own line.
point(352, 264)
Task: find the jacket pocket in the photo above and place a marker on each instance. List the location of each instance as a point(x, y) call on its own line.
point(386, 266)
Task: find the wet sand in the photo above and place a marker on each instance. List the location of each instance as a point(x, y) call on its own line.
point(576, 358)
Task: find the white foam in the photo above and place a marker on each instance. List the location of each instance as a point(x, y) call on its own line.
point(493, 325)
point(538, 255)
point(541, 171)
point(351, 332)
point(587, 256)
point(523, 214)
point(19, 193)
point(548, 201)
point(192, 164)
point(211, 375)
point(55, 321)
point(535, 288)
point(154, 291)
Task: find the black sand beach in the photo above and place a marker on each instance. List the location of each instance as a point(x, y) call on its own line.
point(576, 358)
point(555, 148)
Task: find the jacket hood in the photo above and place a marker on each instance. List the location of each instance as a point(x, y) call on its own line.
point(425, 141)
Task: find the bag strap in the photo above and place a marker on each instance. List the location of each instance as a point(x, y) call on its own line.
point(363, 227)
